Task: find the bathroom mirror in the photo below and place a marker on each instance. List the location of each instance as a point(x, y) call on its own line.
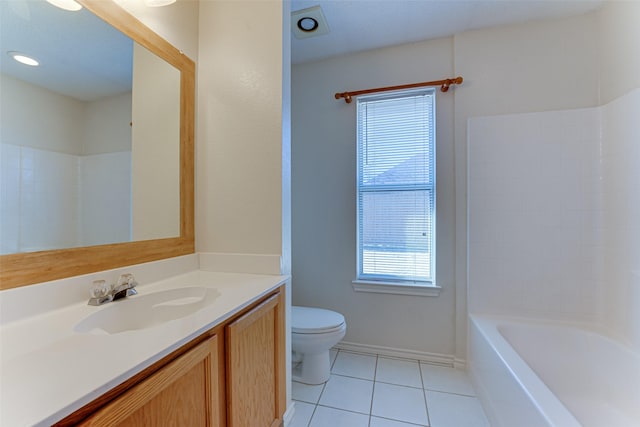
point(147, 90)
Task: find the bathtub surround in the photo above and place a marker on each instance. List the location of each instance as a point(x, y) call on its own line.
point(553, 207)
point(575, 232)
point(54, 171)
point(619, 298)
point(553, 234)
point(535, 240)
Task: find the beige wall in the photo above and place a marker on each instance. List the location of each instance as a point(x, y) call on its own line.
point(39, 118)
point(619, 49)
point(177, 23)
point(64, 124)
point(107, 126)
point(239, 192)
point(155, 147)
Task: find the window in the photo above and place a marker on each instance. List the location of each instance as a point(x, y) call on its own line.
point(396, 189)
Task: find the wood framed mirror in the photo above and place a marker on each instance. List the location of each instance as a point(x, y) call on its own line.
point(25, 268)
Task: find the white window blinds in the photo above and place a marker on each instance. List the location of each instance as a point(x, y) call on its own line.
point(396, 187)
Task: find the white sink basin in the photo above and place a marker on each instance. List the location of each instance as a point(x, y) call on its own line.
point(146, 311)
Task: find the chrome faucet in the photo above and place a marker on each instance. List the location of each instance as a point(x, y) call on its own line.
point(101, 293)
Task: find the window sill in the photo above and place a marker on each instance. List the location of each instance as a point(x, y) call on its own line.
point(395, 288)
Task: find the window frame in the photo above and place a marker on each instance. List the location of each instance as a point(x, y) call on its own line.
point(392, 284)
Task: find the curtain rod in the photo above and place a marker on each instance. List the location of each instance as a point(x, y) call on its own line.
point(444, 86)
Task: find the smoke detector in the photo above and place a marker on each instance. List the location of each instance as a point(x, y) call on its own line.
point(308, 23)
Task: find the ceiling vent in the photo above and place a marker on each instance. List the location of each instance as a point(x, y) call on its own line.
point(308, 23)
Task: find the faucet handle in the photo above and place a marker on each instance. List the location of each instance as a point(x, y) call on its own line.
point(126, 281)
point(124, 287)
point(99, 289)
point(100, 293)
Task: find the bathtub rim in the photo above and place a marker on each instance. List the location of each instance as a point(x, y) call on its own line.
point(550, 407)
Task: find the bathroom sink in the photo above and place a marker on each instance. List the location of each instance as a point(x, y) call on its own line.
point(146, 311)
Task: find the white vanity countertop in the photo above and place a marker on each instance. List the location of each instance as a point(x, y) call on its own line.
point(48, 371)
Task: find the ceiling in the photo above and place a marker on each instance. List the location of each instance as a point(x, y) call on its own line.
point(357, 25)
point(57, 37)
point(80, 55)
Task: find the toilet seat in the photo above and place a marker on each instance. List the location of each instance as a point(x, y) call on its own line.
point(309, 320)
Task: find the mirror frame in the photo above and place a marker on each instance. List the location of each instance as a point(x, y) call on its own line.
point(28, 268)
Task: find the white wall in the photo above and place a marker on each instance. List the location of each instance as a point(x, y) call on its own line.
point(239, 157)
point(324, 207)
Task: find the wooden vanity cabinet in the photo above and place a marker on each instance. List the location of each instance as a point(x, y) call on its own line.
point(255, 366)
point(183, 393)
point(233, 375)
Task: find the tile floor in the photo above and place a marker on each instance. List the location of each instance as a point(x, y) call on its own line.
point(378, 391)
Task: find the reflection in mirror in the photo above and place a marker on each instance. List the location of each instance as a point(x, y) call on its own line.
point(89, 139)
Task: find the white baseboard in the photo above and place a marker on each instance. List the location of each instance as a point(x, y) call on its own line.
point(460, 363)
point(433, 358)
point(288, 414)
point(240, 263)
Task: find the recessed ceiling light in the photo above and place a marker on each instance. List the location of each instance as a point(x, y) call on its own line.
point(70, 5)
point(307, 24)
point(23, 59)
point(158, 3)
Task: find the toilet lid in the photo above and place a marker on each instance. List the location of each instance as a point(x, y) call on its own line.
point(309, 320)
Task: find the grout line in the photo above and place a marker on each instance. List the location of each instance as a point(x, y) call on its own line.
point(373, 389)
point(345, 410)
point(333, 362)
point(324, 386)
point(343, 375)
point(399, 421)
point(317, 403)
point(450, 392)
point(312, 414)
point(375, 382)
point(401, 385)
point(424, 394)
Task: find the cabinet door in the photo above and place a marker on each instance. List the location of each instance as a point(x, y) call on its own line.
point(183, 393)
point(255, 366)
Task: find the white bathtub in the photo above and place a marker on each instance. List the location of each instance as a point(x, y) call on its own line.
point(541, 374)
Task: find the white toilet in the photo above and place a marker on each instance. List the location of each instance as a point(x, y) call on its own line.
point(313, 332)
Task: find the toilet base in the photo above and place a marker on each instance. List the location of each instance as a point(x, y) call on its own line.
point(314, 369)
